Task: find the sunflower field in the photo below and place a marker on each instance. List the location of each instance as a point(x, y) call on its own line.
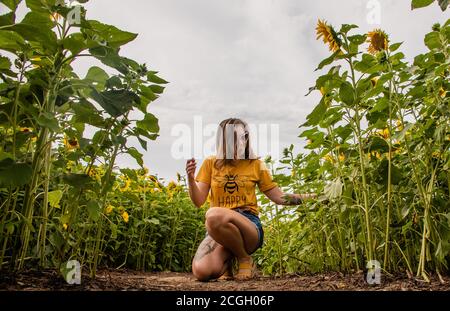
point(378, 149)
point(61, 195)
point(379, 143)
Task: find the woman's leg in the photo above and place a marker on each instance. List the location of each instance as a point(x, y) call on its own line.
point(209, 260)
point(233, 231)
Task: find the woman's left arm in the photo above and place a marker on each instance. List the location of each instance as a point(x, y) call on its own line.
point(279, 197)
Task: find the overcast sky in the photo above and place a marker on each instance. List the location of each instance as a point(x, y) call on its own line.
point(252, 59)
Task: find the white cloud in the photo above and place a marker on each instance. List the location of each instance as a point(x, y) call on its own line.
point(249, 58)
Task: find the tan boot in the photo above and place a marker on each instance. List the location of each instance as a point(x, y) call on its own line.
point(228, 274)
point(247, 269)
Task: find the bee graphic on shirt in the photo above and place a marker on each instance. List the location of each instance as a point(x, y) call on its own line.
point(231, 183)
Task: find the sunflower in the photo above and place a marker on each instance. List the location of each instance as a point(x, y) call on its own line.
point(125, 217)
point(55, 16)
point(383, 133)
point(71, 143)
point(109, 209)
point(329, 36)
point(172, 185)
point(374, 154)
point(126, 186)
point(378, 41)
point(329, 158)
point(374, 81)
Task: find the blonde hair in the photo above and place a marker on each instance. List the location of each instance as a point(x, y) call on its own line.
point(223, 139)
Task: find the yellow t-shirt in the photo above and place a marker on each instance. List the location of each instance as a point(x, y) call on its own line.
point(234, 186)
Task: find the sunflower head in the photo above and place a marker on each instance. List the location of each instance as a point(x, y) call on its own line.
point(328, 35)
point(378, 41)
point(125, 216)
point(71, 143)
point(109, 209)
point(374, 81)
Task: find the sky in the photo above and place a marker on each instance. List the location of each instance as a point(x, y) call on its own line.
point(250, 59)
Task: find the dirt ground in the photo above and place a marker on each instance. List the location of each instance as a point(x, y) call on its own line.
point(126, 280)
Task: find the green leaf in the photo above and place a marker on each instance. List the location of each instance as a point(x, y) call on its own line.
point(346, 28)
point(115, 102)
point(13, 174)
point(149, 123)
point(7, 19)
point(367, 62)
point(317, 114)
point(416, 4)
point(76, 180)
point(113, 228)
point(432, 40)
point(49, 121)
point(85, 112)
point(444, 4)
point(111, 34)
point(93, 209)
point(396, 173)
point(11, 41)
point(357, 39)
point(328, 60)
point(11, 4)
point(43, 37)
point(378, 144)
point(4, 63)
point(147, 93)
point(110, 57)
point(394, 47)
point(97, 77)
point(143, 143)
point(114, 83)
point(157, 88)
point(75, 43)
point(152, 77)
point(40, 20)
point(346, 93)
point(381, 105)
point(37, 5)
point(136, 155)
point(54, 197)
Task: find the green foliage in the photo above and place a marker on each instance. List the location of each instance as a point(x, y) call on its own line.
point(379, 142)
point(44, 110)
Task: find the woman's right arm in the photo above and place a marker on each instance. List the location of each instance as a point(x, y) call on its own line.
point(198, 191)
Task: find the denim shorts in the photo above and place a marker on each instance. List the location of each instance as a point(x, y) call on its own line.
point(254, 219)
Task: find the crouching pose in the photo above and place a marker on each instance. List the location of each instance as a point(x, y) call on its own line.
point(233, 227)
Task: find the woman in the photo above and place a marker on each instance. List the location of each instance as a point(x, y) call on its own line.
point(233, 226)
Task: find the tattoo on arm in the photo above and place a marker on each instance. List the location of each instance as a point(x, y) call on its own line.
point(290, 199)
point(206, 247)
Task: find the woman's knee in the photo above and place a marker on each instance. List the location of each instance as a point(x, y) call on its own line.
point(201, 272)
point(215, 217)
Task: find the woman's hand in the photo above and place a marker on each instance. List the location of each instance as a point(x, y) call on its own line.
point(191, 166)
point(198, 191)
point(279, 197)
